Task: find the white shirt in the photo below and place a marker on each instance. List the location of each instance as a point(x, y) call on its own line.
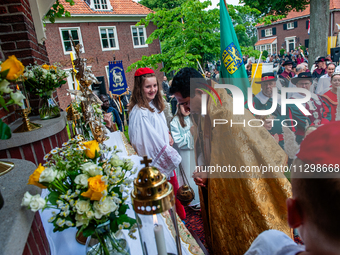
point(149, 135)
point(324, 84)
point(274, 242)
point(337, 69)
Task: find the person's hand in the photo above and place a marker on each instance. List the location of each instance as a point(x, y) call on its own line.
point(171, 141)
point(200, 178)
point(108, 119)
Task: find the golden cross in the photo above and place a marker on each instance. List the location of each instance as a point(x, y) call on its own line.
point(146, 161)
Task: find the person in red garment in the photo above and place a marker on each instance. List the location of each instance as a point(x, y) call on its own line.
point(148, 130)
point(330, 98)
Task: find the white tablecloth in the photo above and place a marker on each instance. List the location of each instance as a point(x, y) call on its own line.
point(64, 243)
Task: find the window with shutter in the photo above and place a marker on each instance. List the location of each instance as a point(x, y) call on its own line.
point(295, 24)
point(262, 33)
point(284, 26)
point(307, 22)
point(274, 30)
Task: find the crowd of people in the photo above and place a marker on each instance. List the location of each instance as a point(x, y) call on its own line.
point(234, 210)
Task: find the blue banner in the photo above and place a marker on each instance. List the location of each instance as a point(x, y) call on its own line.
point(117, 79)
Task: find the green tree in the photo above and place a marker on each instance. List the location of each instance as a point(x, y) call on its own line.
point(160, 4)
point(58, 11)
point(187, 33)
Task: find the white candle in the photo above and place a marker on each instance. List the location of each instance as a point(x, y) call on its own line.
point(159, 236)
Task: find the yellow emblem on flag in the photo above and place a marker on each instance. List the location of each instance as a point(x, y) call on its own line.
point(231, 58)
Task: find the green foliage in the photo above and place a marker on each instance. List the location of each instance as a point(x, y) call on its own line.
point(265, 53)
point(251, 52)
point(5, 131)
point(282, 52)
point(58, 11)
point(277, 7)
point(160, 4)
point(186, 33)
point(302, 47)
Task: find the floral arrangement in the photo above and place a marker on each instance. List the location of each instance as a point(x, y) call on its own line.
point(86, 190)
point(10, 70)
point(44, 79)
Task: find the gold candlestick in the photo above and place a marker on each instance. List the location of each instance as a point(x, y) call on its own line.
point(26, 126)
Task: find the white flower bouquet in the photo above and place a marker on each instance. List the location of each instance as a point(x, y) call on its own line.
point(85, 190)
point(42, 79)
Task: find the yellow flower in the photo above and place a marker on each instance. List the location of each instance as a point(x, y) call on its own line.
point(15, 67)
point(47, 67)
point(96, 187)
point(92, 147)
point(53, 67)
point(34, 178)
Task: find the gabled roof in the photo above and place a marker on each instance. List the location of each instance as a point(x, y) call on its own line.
point(265, 41)
point(120, 7)
point(333, 5)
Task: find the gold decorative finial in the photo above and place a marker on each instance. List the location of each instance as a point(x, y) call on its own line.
point(146, 161)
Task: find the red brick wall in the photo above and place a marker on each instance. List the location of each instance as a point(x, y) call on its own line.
point(18, 37)
point(97, 58)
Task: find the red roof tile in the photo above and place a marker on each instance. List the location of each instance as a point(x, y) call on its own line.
point(120, 7)
point(265, 41)
point(334, 4)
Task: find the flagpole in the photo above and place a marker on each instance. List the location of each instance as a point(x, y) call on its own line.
point(258, 62)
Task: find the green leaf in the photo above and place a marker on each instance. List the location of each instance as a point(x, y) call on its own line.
point(89, 230)
point(4, 73)
point(5, 131)
point(53, 197)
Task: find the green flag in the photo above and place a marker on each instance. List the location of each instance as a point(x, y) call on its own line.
point(232, 70)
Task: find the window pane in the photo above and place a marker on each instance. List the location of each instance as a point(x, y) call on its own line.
point(74, 34)
point(135, 41)
point(112, 43)
point(142, 41)
point(134, 31)
point(67, 46)
point(105, 44)
point(103, 33)
point(141, 32)
point(110, 31)
point(65, 35)
point(76, 42)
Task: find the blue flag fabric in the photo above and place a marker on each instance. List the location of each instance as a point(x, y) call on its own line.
point(117, 79)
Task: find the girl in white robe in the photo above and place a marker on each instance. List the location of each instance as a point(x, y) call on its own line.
point(148, 131)
point(184, 143)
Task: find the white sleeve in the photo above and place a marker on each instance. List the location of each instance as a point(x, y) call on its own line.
point(184, 140)
point(146, 140)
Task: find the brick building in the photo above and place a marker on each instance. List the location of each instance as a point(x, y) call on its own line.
point(292, 31)
point(106, 29)
point(19, 36)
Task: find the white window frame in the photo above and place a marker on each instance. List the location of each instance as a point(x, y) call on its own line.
point(62, 40)
point(274, 44)
point(268, 32)
point(263, 47)
point(115, 35)
point(145, 37)
point(290, 25)
point(108, 3)
point(287, 42)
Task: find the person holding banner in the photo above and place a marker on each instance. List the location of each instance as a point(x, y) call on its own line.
point(148, 130)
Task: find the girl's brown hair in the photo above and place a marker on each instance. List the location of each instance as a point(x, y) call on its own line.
point(138, 97)
point(180, 116)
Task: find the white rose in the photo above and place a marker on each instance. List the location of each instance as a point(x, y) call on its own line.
point(48, 175)
point(82, 180)
point(92, 169)
point(26, 199)
point(17, 97)
point(4, 87)
point(89, 214)
point(37, 203)
point(81, 220)
point(117, 162)
point(104, 208)
point(82, 206)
